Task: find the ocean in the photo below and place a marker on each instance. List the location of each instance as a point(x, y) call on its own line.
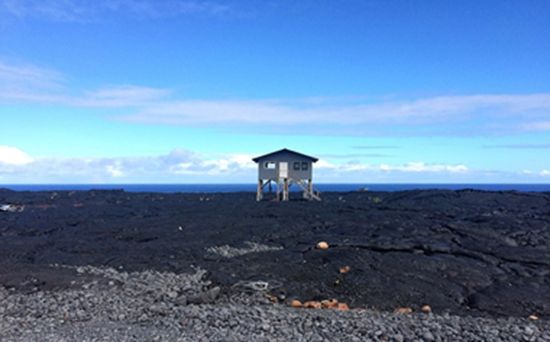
point(323, 187)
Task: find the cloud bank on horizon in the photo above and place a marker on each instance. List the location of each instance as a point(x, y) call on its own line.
point(198, 103)
point(16, 166)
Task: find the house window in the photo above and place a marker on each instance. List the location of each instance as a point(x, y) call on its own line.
point(269, 165)
point(304, 166)
point(296, 166)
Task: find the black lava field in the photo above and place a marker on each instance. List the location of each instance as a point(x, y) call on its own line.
point(464, 252)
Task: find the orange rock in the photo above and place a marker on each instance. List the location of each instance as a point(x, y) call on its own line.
point(426, 308)
point(329, 303)
point(403, 311)
point(296, 304)
point(342, 307)
point(533, 318)
point(322, 245)
point(345, 269)
point(312, 305)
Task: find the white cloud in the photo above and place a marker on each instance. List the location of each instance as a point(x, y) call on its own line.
point(284, 112)
point(53, 10)
point(217, 166)
point(27, 82)
point(440, 115)
point(121, 96)
point(28, 74)
point(31, 84)
point(323, 164)
point(86, 11)
point(414, 167)
point(178, 166)
point(537, 126)
point(13, 156)
point(423, 167)
point(356, 167)
point(181, 166)
point(114, 170)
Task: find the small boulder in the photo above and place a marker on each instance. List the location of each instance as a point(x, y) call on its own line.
point(345, 269)
point(322, 245)
point(296, 304)
point(403, 311)
point(329, 303)
point(426, 309)
point(312, 304)
point(342, 307)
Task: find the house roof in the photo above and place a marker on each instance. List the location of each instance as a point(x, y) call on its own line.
point(285, 150)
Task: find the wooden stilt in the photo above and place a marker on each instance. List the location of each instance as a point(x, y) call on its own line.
point(285, 189)
point(259, 192)
point(308, 190)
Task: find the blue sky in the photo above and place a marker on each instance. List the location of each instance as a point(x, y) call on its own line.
point(188, 91)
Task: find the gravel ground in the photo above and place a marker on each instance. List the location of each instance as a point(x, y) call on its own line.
point(163, 306)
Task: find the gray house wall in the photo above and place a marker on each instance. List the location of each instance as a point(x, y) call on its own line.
point(290, 158)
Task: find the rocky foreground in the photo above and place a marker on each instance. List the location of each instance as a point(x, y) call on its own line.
point(160, 306)
point(110, 265)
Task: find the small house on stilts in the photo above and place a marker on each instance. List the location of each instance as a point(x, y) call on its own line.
point(284, 168)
